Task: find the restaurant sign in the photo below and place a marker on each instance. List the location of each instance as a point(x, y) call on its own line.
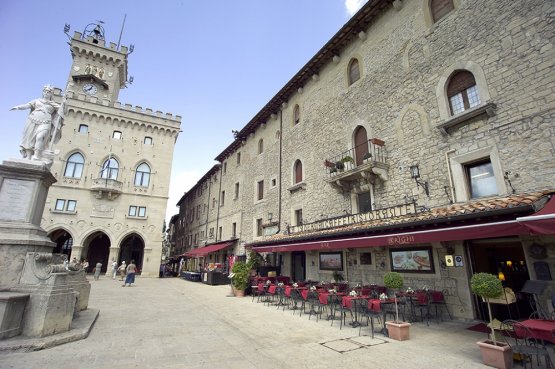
point(385, 213)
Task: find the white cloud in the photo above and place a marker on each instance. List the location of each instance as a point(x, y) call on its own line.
point(179, 184)
point(353, 6)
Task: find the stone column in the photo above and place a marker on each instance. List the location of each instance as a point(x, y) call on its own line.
point(114, 251)
point(76, 252)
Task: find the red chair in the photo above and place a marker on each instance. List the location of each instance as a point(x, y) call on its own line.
point(437, 300)
point(271, 294)
point(258, 291)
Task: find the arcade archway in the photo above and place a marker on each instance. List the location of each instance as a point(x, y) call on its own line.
point(98, 250)
point(132, 248)
point(63, 240)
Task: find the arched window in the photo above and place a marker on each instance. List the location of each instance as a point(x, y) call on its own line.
point(354, 71)
point(296, 114)
point(361, 145)
point(142, 175)
point(74, 166)
point(298, 175)
point(440, 8)
point(260, 146)
point(110, 169)
point(462, 92)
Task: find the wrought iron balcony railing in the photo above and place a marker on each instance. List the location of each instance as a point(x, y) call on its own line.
point(368, 157)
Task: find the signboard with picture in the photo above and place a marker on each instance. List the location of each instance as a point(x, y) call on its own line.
point(412, 260)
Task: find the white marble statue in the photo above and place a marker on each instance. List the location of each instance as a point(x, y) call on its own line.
point(43, 127)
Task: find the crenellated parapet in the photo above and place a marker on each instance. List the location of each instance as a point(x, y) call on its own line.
point(91, 48)
point(137, 117)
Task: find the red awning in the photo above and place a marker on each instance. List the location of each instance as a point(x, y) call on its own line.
point(543, 221)
point(469, 232)
point(203, 251)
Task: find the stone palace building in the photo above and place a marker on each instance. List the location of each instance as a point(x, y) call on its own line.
point(109, 201)
point(419, 139)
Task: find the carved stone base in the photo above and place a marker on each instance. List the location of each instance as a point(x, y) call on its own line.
point(52, 300)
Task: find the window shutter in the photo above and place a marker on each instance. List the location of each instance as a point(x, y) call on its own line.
point(440, 8)
point(354, 71)
point(298, 172)
point(459, 82)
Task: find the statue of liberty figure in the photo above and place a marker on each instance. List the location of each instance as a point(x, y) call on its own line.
point(43, 127)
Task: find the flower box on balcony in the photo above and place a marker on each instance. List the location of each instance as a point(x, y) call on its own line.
point(377, 141)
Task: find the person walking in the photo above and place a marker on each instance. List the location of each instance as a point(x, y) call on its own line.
point(130, 277)
point(122, 269)
point(86, 266)
point(114, 268)
point(97, 269)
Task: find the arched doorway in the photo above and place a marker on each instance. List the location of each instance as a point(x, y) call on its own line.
point(361, 144)
point(132, 248)
point(63, 240)
point(98, 250)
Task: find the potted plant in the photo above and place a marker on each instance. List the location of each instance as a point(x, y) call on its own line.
point(241, 277)
point(496, 354)
point(396, 329)
point(338, 277)
point(339, 166)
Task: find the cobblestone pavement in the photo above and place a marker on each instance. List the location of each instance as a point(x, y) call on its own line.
point(172, 323)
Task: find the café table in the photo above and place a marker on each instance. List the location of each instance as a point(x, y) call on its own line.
point(354, 304)
point(541, 329)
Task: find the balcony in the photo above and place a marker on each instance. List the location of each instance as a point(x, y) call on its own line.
point(366, 161)
point(105, 187)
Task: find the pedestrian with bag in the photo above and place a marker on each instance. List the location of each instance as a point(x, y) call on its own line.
point(122, 270)
point(130, 277)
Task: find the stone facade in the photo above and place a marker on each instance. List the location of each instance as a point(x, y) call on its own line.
point(106, 222)
point(406, 61)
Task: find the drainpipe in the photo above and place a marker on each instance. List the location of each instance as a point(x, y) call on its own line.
point(451, 187)
point(218, 214)
point(208, 211)
point(280, 167)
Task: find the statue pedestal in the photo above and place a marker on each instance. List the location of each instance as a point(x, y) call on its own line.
point(28, 265)
point(23, 190)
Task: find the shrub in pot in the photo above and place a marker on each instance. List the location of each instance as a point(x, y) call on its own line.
point(241, 278)
point(397, 330)
point(496, 354)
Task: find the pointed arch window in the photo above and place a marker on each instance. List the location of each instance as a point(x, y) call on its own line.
point(74, 166)
point(298, 174)
point(296, 114)
point(354, 71)
point(440, 8)
point(260, 146)
point(462, 92)
point(142, 175)
point(110, 169)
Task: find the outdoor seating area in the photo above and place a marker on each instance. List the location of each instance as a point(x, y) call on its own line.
point(364, 307)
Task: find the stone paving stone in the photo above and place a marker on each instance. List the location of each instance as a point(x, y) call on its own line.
point(172, 323)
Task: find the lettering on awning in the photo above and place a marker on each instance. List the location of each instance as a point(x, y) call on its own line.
point(400, 240)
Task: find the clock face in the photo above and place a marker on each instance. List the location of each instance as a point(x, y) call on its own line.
point(90, 89)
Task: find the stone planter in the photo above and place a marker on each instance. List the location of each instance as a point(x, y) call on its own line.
point(498, 356)
point(398, 330)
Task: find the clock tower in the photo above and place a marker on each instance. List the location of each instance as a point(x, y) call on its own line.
point(98, 69)
point(112, 164)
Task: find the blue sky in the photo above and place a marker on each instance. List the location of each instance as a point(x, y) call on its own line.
point(216, 63)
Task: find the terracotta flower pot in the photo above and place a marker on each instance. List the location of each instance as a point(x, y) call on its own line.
point(398, 330)
point(239, 293)
point(499, 356)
